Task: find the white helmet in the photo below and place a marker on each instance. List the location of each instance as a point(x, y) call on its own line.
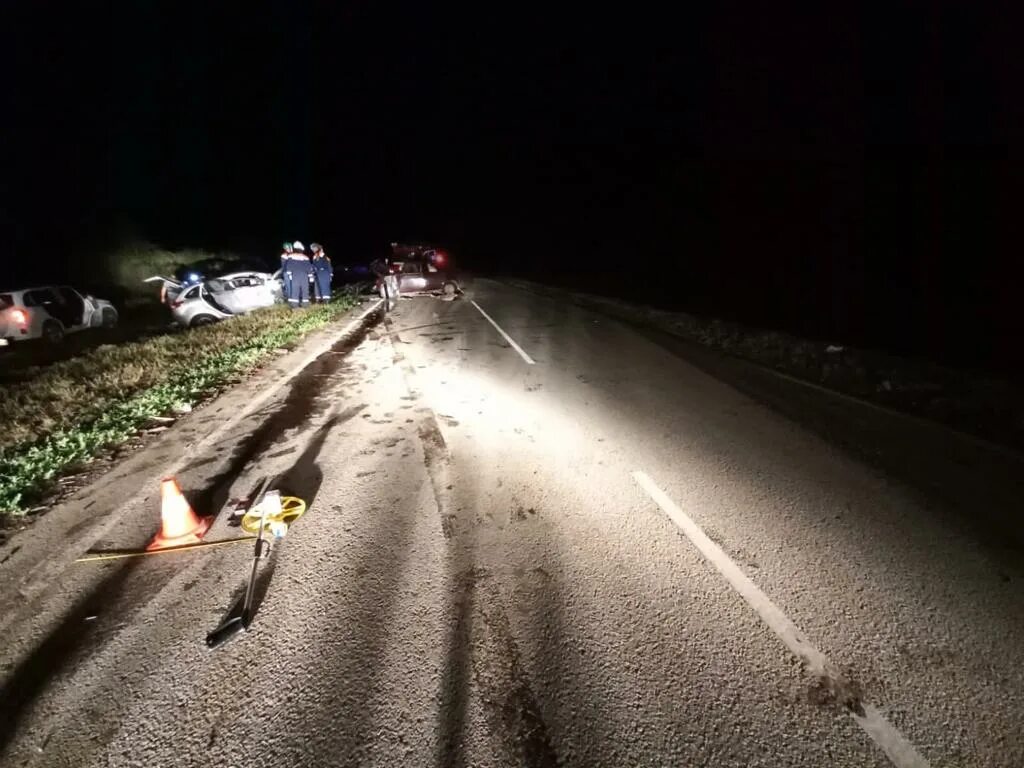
point(298, 246)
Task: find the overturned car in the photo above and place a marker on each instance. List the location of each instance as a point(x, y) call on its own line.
point(194, 301)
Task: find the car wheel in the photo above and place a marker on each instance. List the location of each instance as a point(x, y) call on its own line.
point(450, 288)
point(53, 332)
point(109, 318)
point(200, 320)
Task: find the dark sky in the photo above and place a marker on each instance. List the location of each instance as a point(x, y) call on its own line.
point(844, 173)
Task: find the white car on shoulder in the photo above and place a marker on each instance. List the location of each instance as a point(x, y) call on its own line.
point(50, 312)
point(218, 298)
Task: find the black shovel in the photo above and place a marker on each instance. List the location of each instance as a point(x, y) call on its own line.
point(233, 625)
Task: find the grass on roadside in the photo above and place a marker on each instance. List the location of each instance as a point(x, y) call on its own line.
point(78, 407)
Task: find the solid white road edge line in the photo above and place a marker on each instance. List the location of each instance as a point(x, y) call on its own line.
point(899, 750)
point(516, 347)
point(44, 573)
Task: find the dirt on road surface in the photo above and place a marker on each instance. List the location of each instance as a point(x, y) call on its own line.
point(535, 537)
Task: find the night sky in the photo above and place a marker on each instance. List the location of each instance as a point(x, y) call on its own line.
point(849, 174)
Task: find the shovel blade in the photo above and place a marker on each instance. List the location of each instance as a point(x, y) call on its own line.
point(225, 631)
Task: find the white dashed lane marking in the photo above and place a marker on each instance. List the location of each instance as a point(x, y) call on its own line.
point(899, 750)
point(516, 347)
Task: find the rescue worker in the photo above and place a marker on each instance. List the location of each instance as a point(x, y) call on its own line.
point(297, 269)
point(392, 282)
point(323, 271)
point(286, 279)
point(388, 288)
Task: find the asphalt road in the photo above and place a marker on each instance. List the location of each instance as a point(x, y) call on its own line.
point(578, 548)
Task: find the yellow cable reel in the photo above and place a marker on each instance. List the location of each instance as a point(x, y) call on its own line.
point(291, 510)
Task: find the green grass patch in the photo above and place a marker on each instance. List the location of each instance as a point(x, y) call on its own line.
point(76, 408)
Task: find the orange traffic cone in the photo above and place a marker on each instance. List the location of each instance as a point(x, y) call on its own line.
point(179, 524)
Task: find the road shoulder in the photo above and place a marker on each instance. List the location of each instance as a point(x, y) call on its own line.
point(36, 556)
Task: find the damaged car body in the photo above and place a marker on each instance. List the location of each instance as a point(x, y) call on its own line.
point(424, 269)
point(206, 301)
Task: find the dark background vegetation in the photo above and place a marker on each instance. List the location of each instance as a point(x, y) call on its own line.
point(843, 173)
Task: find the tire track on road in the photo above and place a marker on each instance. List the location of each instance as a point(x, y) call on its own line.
point(479, 647)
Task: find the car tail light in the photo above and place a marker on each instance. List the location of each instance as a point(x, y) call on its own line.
point(177, 303)
point(19, 316)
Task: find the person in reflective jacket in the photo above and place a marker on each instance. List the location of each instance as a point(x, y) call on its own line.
point(286, 278)
point(297, 269)
point(323, 271)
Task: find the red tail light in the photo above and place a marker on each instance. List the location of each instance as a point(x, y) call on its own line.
point(19, 316)
point(177, 303)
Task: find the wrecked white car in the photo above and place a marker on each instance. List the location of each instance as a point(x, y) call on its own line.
point(206, 301)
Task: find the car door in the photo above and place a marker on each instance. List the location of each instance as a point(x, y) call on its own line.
point(250, 291)
point(265, 293)
point(433, 278)
point(276, 286)
point(44, 305)
point(77, 309)
point(67, 306)
point(170, 288)
point(220, 293)
point(411, 279)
